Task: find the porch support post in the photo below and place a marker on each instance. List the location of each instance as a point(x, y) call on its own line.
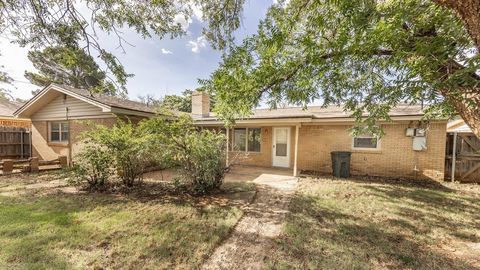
point(228, 142)
point(295, 171)
point(454, 155)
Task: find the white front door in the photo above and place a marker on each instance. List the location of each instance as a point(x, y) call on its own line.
point(281, 147)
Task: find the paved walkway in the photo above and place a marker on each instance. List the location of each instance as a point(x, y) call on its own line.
point(252, 239)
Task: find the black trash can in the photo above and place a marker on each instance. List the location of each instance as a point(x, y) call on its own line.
point(341, 163)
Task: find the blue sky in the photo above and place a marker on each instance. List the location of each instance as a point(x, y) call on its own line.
point(161, 67)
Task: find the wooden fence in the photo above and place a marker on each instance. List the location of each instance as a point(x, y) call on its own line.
point(464, 148)
point(15, 142)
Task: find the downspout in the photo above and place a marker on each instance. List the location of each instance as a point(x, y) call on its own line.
point(454, 155)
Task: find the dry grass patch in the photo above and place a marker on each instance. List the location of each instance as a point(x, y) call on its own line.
point(381, 224)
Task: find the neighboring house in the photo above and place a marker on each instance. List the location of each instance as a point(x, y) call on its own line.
point(7, 108)
point(58, 115)
point(303, 140)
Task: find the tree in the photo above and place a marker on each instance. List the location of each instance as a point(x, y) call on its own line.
point(41, 23)
point(150, 100)
point(5, 79)
point(366, 55)
point(181, 103)
point(68, 66)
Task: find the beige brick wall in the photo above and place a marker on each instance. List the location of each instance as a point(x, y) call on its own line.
point(395, 158)
point(46, 150)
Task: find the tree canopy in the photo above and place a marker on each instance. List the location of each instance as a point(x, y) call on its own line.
point(69, 66)
point(181, 103)
point(41, 23)
point(365, 55)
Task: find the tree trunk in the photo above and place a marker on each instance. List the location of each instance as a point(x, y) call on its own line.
point(469, 12)
point(468, 108)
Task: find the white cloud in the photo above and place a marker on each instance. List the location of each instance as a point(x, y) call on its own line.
point(184, 23)
point(165, 51)
point(197, 12)
point(196, 45)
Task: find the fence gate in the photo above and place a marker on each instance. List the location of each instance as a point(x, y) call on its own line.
point(15, 142)
point(463, 150)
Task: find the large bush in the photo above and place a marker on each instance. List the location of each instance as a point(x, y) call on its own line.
point(92, 167)
point(201, 158)
point(166, 139)
point(129, 149)
point(199, 154)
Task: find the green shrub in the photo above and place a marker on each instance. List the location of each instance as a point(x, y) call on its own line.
point(199, 154)
point(128, 147)
point(92, 167)
point(201, 158)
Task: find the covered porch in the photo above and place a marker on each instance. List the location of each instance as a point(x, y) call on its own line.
point(269, 147)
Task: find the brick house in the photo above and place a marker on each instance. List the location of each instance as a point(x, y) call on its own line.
point(58, 114)
point(303, 139)
point(291, 137)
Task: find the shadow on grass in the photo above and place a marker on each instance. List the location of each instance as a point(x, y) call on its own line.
point(65, 231)
point(402, 182)
point(395, 231)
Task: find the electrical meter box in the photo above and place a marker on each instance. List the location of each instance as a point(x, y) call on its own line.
point(419, 143)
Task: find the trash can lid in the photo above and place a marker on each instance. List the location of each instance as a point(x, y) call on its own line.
point(341, 153)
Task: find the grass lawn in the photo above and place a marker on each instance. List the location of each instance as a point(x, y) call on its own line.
point(42, 230)
point(378, 224)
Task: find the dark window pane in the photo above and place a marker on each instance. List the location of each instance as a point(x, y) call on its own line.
point(55, 136)
point(55, 126)
point(281, 150)
point(239, 139)
point(64, 127)
point(64, 136)
point(254, 139)
point(365, 142)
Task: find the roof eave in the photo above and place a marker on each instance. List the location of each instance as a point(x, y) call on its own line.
point(118, 110)
point(52, 86)
point(274, 120)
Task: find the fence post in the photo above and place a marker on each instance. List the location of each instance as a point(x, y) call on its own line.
point(21, 143)
point(34, 164)
point(63, 161)
point(7, 166)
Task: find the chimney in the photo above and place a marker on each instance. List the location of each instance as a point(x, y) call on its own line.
point(200, 104)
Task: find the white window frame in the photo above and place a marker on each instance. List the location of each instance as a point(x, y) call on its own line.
point(246, 140)
point(379, 141)
point(61, 140)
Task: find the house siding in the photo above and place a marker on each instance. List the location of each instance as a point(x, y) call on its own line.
point(65, 106)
